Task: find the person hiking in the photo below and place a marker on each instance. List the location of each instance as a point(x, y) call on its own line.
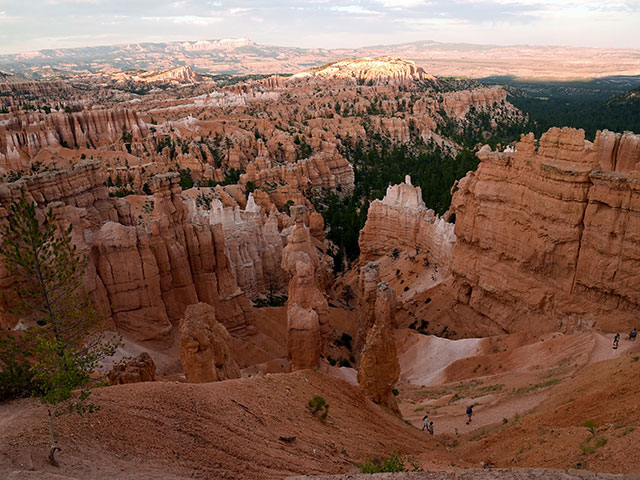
point(430, 428)
point(633, 334)
point(616, 340)
point(425, 423)
point(469, 413)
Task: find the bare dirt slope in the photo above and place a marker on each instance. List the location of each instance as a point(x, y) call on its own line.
point(554, 435)
point(228, 429)
point(532, 396)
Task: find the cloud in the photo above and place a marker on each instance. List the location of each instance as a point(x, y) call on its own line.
point(354, 9)
point(319, 23)
point(4, 18)
point(185, 20)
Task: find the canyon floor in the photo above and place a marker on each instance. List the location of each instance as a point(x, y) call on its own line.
point(532, 396)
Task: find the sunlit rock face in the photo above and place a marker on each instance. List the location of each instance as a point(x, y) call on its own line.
point(548, 235)
point(402, 221)
point(372, 70)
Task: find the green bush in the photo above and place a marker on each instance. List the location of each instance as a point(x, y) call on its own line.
point(376, 465)
point(345, 363)
point(16, 376)
point(591, 425)
point(345, 341)
point(318, 403)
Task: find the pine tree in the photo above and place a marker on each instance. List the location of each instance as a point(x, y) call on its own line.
point(65, 344)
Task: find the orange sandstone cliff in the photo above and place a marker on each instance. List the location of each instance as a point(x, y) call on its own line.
point(548, 235)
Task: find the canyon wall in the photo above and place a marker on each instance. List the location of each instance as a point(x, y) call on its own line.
point(402, 221)
point(459, 103)
point(146, 261)
point(23, 135)
point(548, 236)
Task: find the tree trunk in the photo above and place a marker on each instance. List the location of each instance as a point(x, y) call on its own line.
point(52, 438)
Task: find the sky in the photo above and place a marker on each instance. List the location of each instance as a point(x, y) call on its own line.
point(27, 25)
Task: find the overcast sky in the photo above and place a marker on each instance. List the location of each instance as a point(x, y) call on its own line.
point(37, 24)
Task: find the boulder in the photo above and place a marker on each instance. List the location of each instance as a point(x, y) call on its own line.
point(139, 369)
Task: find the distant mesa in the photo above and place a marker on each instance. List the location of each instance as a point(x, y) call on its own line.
point(182, 74)
point(369, 70)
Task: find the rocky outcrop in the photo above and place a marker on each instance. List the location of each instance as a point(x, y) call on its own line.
point(402, 221)
point(380, 70)
point(24, 135)
point(368, 283)
point(182, 74)
point(146, 261)
point(307, 310)
point(379, 368)
point(548, 237)
point(459, 103)
point(204, 346)
point(253, 243)
point(326, 169)
point(139, 369)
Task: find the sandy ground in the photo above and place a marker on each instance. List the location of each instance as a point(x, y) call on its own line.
point(233, 429)
point(532, 395)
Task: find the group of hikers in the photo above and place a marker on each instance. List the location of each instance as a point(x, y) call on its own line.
point(428, 426)
point(632, 336)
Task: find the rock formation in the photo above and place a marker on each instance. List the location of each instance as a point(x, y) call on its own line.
point(139, 369)
point(205, 352)
point(147, 262)
point(307, 309)
point(459, 103)
point(253, 243)
point(24, 135)
point(549, 237)
point(368, 283)
point(402, 221)
point(374, 70)
point(326, 169)
point(182, 74)
point(379, 368)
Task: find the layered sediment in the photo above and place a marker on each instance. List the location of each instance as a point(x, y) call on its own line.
point(548, 236)
point(146, 261)
point(401, 221)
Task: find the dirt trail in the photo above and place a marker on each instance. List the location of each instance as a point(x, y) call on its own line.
point(603, 349)
point(513, 378)
point(491, 413)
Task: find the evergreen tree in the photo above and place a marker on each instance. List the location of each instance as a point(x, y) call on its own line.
point(65, 344)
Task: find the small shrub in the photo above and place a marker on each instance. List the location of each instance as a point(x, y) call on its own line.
point(332, 361)
point(344, 341)
point(587, 449)
point(395, 392)
point(318, 403)
point(591, 425)
point(601, 442)
point(376, 465)
point(345, 363)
